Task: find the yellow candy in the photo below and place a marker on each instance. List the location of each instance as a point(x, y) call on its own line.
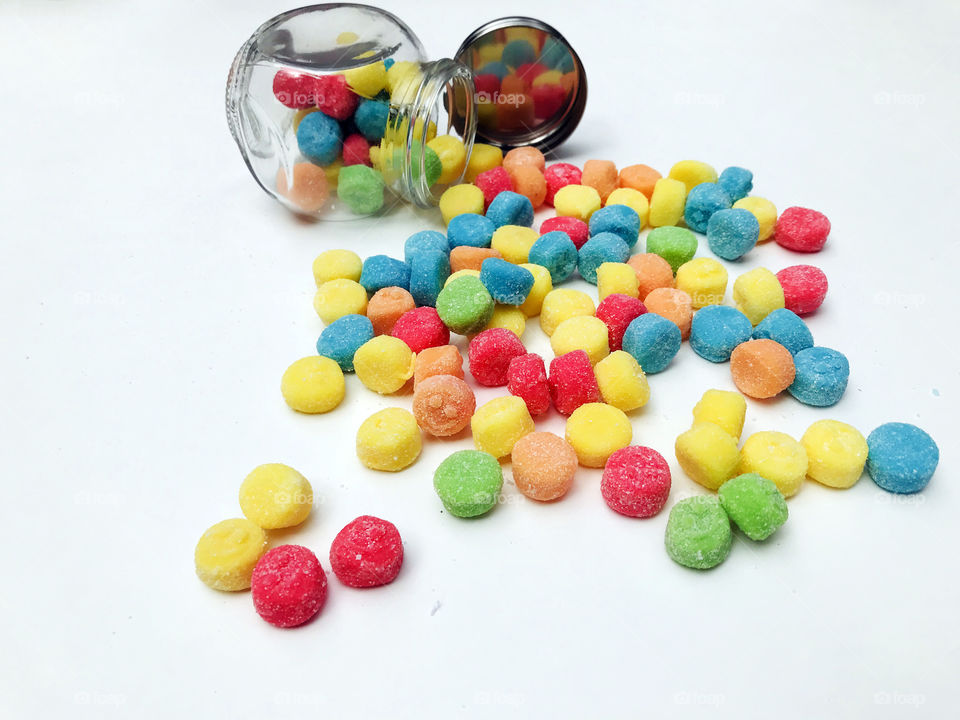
point(337, 265)
point(704, 280)
point(562, 304)
point(384, 364)
point(313, 385)
point(724, 408)
point(550, 77)
point(777, 457)
point(622, 383)
point(579, 201)
point(389, 440)
point(692, 172)
point(583, 332)
point(460, 199)
point(632, 199)
point(596, 431)
point(757, 294)
point(336, 298)
point(520, 32)
point(498, 424)
point(401, 74)
point(666, 203)
point(708, 454)
point(347, 37)
point(836, 453)
point(367, 80)
point(461, 273)
point(509, 317)
point(482, 158)
point(542, 284)
point(276, 496)
point(453, 157)
point(374, 157)
point(514, 242)
point(227, 553)
point(301, 114)
point(765, 212)
point(613, 277)
point(489, 52)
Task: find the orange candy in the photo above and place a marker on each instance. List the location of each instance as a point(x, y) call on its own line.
point(652, 272)
point(310, 190)
point(386, 306)
point(543, 466)
point(601, 175)
point(465, 257)
point(442, 360)
point(526, 156)
point(514, 85)
point(761, 368)
point(443, 405)
point(639, 177)
point(675, 305)
point(529, 182)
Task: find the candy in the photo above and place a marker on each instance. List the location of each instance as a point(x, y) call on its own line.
point(356, 150)
point(620, 220)
point(617, 311)
point(572, 382)
point(367, 552)
point(698, 533)
point(468, 483)
point(821, 376)
point(402, 74)
point(510, 208)
point(583, 332)
point(361, 188)
point(464, 305)
point(785, 328)
point(493, 182)
point(443, 405)
point(556, 252)
point(465, 257)
point(336, 298)
point(674, 305)
point(804, 288)
point(313, 385)
point(652, 272)
point(666, 202)
point(616, 279)
point(633, 199)
point(443, 360)
point(761, 368)
point(716, 330)
point(757, 294)
point(469, 228)
point(601, 175)
point(596, 431)
point(544, 466)
point(309, 190)
point(542, 285)
point(288, 586)
point(517, 52)
point(514, 242)
point(508, 317)
point(605, 247)
point(802, 230)
point(337, 265)
point(384, 364)
point(754, 504)
point(371, 119)
point(902, 458)
point(429, 271)
point(836, 453)
point(432, 167)
point(764, 211)
point(777, 457)
point(530, 182)
point(425, 241)
point(562, 304)
point(386, 306)
point(737, 182)
point(703, 202)
point(708, 454)
point(653, 340)
point(380, 271)
point(527, 379)
point(577, 230)
point(557, 176)
point(453, 157)
point(490, 353)
point(676, 245)
point(482, 158)
point(367, 80)
point(724, 408)
point(227, 553)
point(639, 177)
point(295, 90)
point(499, 423)
point(421, 328)
point(732, 233)
point(332, 171)
point(389, 440)
point(319, 138)
point(692, 173)
point(704, 280)
point(622, 382)
point(577, 201)
point(276, 496)
point(636, 482)
point(340, 340)
point(468, 272)
point(507, 283)
point(526, 156)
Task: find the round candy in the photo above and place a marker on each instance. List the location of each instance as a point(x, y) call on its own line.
point(652, 272)
point(556, 252)
point(510, 208)
point(737, 182)
point(384, 364)
point(429, 271)
point(529, 182)
point(526, 156)
point(443, 405)
point(541, 286)
point(227, 553)
point(468, 483)
point(620, 220)
point(371, 119)
point(757, 294)
point(483, 157)
point(499, 423)
point(572, 382)
point(622, 382)
point(507, 283)
point(453, 157)
point(836, 453)
point(639, 177)
point(674, 305)
point(636, 481)
point(764, 211)
point(617, 312)
point(676, 245)
point(288, 586)
point(902, 458)
point(337, 265)
point(490, 353)
point(693, 173)
point(804, 288)
point(544, 465)
point(367, 80)
point(754, 504)
point(666, 202)
point(509, 318)
point(616, 278)
point(601, 175)
point(698, 533)
point(703, 201)
point(724, 408)
point(653, 340)
point(295, 90)
point(514, 242)
point(716, 330)
point(596, 431)
point(313, 385)
point(708, 454)
point(577, 201)
point(786, 328)
point(633, 199)
point(443, 360)
point(466, 257)
point(309, 189)
point(368, 552)
point(704, 280)
point(821, 376)
point(336, 298)
point(389, 440)
point(761, 368)
point(527, 379)
point(802, 229)
point(470, 229)
point(464, 305)
point(381, 271)
point(585, 333)
point(777, 457)
point(386, 307)
point(421, 328)
point(732, 233)
point(491, 183)
point(356, 150)
point(558, 176)
point(340, 340)
point(605, 247)
point(276, 496)
point(577, 230)
point(360, 187)
point(425, 241)
point(561, 304)
point(319, 138)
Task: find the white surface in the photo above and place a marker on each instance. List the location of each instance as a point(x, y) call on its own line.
point(154, 296)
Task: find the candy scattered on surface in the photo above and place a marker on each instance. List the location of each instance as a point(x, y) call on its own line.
point(902, 458)
point(753, 504)
point(276, 496)
point(821, 376)
point(499, 423)
point(622, 382)
point(698, 533)
point(704, 280)
point(227, 553)
point(572, 382)
point(636, 481)
point(777, 457)
point(653, 340)
point(723, 408)
point(836, 453)
point(464, 305)
point(762, 368)
point(708, 454)
point(673, 304)
point(786, 328)
point(544, 466)
point(389, 440)
point(757, 293)
point(676, 245)
point(802, 230)
point(339, 297)
point(490, 353)
point(289, 586)
point(617, 311)
point(341, 339)
point(527, 379)
point(367, 552)
point(384, 364)
point(313, 385)
point(443, 405)
point(443, 360)
point(804, 288)
point(468, 483)
point(583, 332)
point(597, 430)
point(717, 330)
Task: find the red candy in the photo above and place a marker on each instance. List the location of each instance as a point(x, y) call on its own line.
point(493, 182)
point(356, 150)
point(636, 481)
point(295, 90)
point(529, 71)
point(490, 353)
point(804, 287)
point(289, 586)
point(547, 99)
point(560, 175)
point(487, 86)
point(527, 379)
point(334, 98)
point(421, 328)
point(577, 229)
point(802, 229)
point(617, 311)
point(368, 552)
point(572, 382)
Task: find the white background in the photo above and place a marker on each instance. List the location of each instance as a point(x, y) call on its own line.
point(153, 295)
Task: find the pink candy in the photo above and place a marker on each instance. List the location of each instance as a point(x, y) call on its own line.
point(527, 379)
point(490, 353)
point(802, 229)
point(572, 382)
point(576, 229)
point(421, 328)
point(804, 287)
point(636, 481)
point(560, 175)
point(617, 311)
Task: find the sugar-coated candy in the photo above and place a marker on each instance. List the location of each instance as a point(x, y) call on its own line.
point(367, 552)
point(821, 376)
point(336, 298)
point(583, 332)
point(526, 156)
point(389, 440)
point(601, 175)
point(367, 80)
point(468, 483)
point(708, 454)
point(508, 317)
point(732, 233)
point(724, 408)
point(577, 201)
point(466, 272)
point(227, 553)
point(431, 165)
point(361, 188)
point(308, 190)
point(295, 90)
point(490, 353)
point(666, 202)
point(371, 119)
point(777, 457)
point(483, 157)
point(674, 305)
point(421, 328)
point(622, 382)
point(653, 340)
point(527, 379)
point(507, 283)
point(276, 496)
point(561, 304)
point(636, 481)
point(698, 533)
point(692, 173)
point(620, 220)
point(453, 157)
point(559, 175)
point(703, 202)
point(639, 177)
point(764, 211)
point(716, 330)
point(786, 328)
point(425, 241)
point(491, 183)
point(617, 311)
point(429, 271)
point(401, 75)
point(384, 364)
point(289, 587)
point(499, 423)
point(737, 182)
point(836, 453)
point(601, 248)
point(596, 431)
point(652, 272)
point(761, 368)
point(337, 265)
point(463, 200)
point(386, 306)
point(356, 150)
point(633, 199)
point(543, 465)
point(313, 385)
point(443, 405)
point(804, 288)
point(340, 340)
point(319, 138)
point(542, 284)
point(757, 293)
point(470, 229)
point(442, 360)
point(802, 229)
point(466, 257)
point(556, 252)
point(614, 278)
point(529, 182)
point(380, 271)
point(572, 382)
point(464, 305)
point(704, 280)
point(518, 52)
point(901, 457)
point(513, 242)
point(510, 208)
point(754, 504)
point(676, 245)
point(577, 230)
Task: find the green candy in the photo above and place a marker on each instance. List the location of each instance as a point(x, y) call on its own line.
point(431, 162)
point(464, 305)
point(676, 245)
point(468, 483)
point(361, 188)
point(754, 504)
point(698, 533)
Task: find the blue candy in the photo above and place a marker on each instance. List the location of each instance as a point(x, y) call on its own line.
point(703, 201)
point(494, 68)
point(380, 271)
point(340, 339)
point(319, 138)
point(510, 208)
point(605, 247)
point(653, 341)
point(731, 233)
point(507, 283)
point(517, 53)
point(556, 55)
point(620, 220)
point(429, 269)
point(470, 229)
point(737, 182)
point(425, 241)
point(821, 377)
point(785, 327)
point(556, 252)
point(370, 118)
point(901, 458)
point(716, 330)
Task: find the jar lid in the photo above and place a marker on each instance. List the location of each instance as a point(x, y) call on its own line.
point(531, 88)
